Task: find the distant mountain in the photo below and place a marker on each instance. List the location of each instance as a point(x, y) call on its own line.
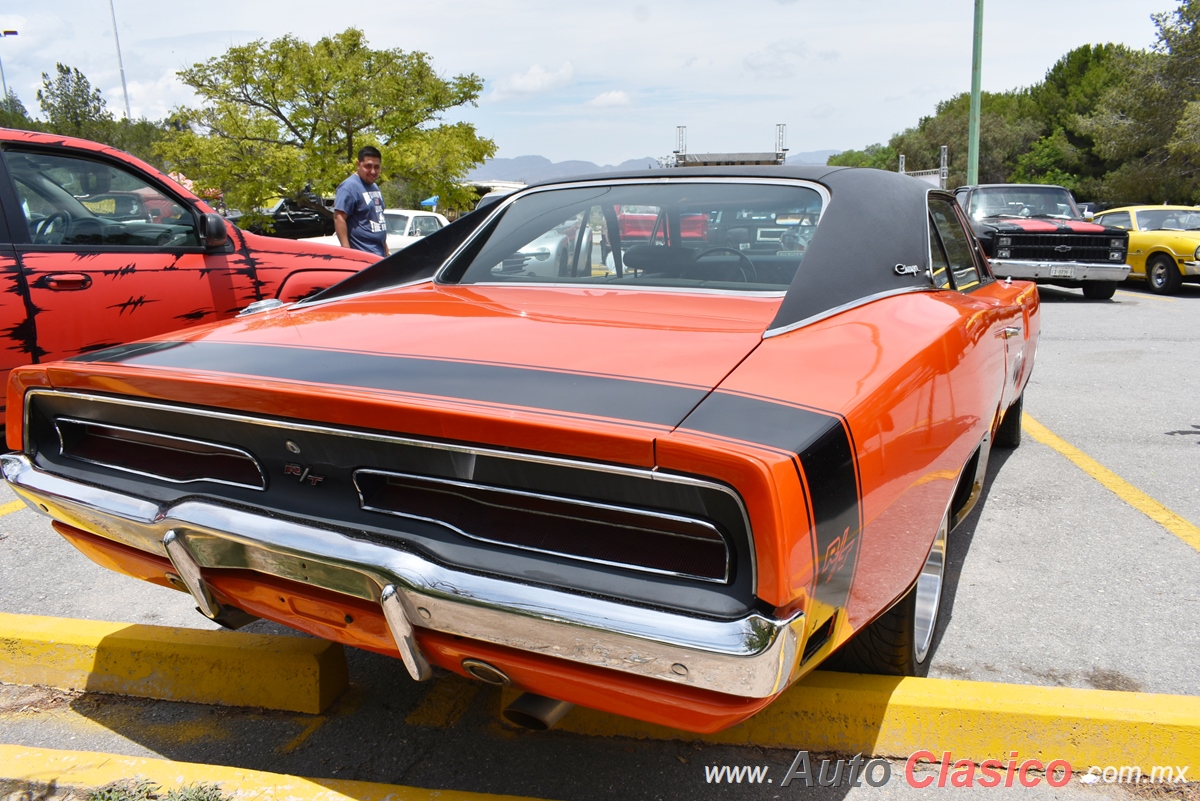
point(531, 169)
point(819, 157)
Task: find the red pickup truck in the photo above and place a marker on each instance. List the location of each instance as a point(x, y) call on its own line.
point(86, 265)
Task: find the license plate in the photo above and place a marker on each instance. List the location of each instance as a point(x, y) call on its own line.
point(1062, 272)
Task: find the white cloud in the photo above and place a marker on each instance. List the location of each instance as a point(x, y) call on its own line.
point(778, 59)
point(535, 80)
point(551, 65)
point(151, 99)
point(608, 99)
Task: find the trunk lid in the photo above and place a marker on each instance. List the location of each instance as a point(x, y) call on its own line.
point(601, 372)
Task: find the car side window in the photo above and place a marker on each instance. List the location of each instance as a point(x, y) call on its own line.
point(938, 263)
point(1118, 219)
point(423, 226)
point(71, 201)
point(397, 224)
point(956, 243)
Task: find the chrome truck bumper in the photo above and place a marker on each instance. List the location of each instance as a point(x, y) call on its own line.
point(1051, 271)
point(753, 657)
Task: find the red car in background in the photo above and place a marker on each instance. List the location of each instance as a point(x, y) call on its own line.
point(643, 227)
point(98, 248)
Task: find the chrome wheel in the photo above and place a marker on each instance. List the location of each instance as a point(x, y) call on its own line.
point(1158, 274)
point(1162, 275)
point(929, 594)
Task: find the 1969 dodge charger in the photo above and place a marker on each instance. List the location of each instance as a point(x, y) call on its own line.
point(665, 483)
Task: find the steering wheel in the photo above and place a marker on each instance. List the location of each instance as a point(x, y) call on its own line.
point(52, 229)
point(753, 276)
point(169, 238)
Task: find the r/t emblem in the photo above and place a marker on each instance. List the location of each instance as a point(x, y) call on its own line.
point(303, 474)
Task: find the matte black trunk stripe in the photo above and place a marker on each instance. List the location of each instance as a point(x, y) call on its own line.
point(786, 428)
point(626, 399)
point(822, 442)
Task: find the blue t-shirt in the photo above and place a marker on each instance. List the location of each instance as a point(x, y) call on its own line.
point(365, 223)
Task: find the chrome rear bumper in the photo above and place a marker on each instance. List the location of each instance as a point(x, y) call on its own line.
point(752, 657)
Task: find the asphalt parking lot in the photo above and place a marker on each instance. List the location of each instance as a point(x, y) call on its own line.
point(1072, 573)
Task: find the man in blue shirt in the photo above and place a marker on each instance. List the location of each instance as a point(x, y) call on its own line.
point(358, 211)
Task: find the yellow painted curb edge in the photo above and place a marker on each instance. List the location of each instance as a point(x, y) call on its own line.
point(895, 717)
point(37, 768)
point(229, 668)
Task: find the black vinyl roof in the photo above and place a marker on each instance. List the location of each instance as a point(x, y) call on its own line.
point(875, 223)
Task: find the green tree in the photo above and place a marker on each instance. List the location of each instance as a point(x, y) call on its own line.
point(879, 156)
point(1053, 159)
point(1077, 82)
point(284, 115)
point(140, 137)
point(73, 107)
point(13, 114)
point(1008, 128)
point(1035, 135)
point(1148, 125)
point(1072, 88)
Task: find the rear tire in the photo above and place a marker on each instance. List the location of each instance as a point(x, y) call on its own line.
point(1008, 434)
point(1162, 276)
point(1099, 290)
point(899, 641)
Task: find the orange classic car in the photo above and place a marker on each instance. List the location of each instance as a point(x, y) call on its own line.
point(98, 248)
point(666, 488)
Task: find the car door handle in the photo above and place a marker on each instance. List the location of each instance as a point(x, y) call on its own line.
point(64, 282)
point(1009, 332)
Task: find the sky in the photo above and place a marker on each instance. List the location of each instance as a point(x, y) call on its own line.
point(607, 81)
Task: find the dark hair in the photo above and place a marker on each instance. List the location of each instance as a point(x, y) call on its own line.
point(364, 152)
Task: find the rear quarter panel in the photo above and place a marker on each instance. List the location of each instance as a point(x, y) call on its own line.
point(915, 382)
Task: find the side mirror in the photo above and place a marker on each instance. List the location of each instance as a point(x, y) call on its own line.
point(213, 228)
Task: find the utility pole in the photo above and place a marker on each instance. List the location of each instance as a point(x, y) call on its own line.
point(976, 71)
point(3, 81)
point(120, 63)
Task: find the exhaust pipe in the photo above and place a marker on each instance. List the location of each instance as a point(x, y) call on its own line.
point(536, 712)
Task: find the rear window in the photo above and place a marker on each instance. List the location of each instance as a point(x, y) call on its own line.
point(727, 235)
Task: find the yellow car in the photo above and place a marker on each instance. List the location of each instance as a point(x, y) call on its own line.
point(1164, 244)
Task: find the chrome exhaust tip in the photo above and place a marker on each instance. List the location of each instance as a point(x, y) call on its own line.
point(536, 712)
point(488, 674)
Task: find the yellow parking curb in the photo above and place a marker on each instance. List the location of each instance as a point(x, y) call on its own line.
point(39, 768)
point(229, 668)
point(886, 716)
